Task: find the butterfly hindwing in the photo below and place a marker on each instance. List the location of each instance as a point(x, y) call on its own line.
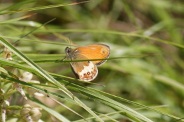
point(85, 70)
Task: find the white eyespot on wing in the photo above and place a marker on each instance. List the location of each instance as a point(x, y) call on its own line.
point(89, 72)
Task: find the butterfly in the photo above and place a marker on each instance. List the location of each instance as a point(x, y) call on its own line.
point(87, 70)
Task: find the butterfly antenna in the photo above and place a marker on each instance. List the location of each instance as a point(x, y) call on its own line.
point(70, 42)
point(33, 30)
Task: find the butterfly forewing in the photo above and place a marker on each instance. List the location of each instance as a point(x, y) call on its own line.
point(95, 51)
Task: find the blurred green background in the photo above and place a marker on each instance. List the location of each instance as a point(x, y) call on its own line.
point(146, 35)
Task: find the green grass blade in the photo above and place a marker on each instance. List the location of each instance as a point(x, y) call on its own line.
point(47, 76)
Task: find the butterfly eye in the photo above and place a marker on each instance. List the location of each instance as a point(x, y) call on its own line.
point(68, 50)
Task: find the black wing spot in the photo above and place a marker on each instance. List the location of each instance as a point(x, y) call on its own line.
point(88, 73)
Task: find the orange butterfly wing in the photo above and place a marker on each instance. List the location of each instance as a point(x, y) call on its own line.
point(94, 51)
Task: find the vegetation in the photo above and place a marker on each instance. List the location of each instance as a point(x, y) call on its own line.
point(142, 81)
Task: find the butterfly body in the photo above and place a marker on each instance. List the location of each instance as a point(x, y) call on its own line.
point(87, 70)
